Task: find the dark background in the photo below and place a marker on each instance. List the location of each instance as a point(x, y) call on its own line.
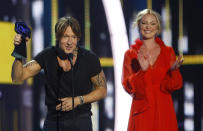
point(25, 102)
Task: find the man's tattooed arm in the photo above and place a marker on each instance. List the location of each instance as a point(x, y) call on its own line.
point(22, 72)
point(29, 64)
point(99, 80)
point(100, 89)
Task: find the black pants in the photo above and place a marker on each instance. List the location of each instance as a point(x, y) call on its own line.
point(81, 123)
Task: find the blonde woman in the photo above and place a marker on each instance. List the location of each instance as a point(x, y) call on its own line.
point(150, 75)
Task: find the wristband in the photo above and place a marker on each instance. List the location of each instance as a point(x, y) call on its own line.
point(18, 59)
point(19, 52)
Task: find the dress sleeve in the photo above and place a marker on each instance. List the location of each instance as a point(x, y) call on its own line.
point(132, 76)
point(173, 79)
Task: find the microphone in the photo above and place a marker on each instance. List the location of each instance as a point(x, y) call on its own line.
point(70, 58)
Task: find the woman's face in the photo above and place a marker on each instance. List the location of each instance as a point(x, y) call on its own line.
point(68, 41)
point(148, 26)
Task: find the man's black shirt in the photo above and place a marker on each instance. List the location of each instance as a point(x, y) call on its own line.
point(59, 83)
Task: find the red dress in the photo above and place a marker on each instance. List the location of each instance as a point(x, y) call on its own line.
point(152, 106)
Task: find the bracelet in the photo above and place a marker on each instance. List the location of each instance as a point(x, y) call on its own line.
point(81, 100)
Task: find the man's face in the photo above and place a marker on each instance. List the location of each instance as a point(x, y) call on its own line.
point(68, 41)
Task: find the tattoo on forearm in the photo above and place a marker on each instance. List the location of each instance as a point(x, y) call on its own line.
point(99, 80)
point(31, 63)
